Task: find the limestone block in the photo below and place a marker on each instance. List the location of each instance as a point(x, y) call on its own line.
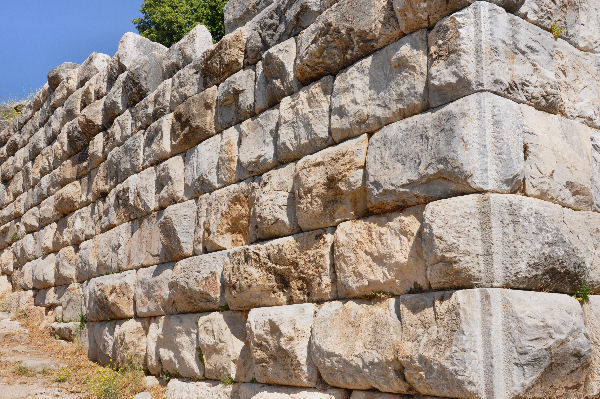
point(31, 220)
point(68, 198)
point(257, 136)
point(116, 99)
point(72, 303)
point(177, 224)
point(87, 260)
point(380, 89)
point(186, 83)
point(274, 204)
point(64, 90)
point(194, 120)
point(187, 50)
point(153, 107)
point(458, 149)
point(132, 47)
point(279, 80)
point(381, 254)
point(92, 119)
point(287, 270)
point(260, 391)
point(227, 224)
point(126, 160)
point(96, 151)
point(348, 349)
point(59, 73)
point(508, 241)
point(304, 121)
point(558, 164)
point(66, 331)
point(6, 262)
point(143, 77)
point(196, 284)
point(180, 389)
point(101, 338)
point(84, 222)
point(157, 141)
point(22, 277)
point(170, 181)
point(595, 137)
point(73, 105)
point(6, 287)
point(329, 186)
point(71, 138)
point(152, 294)
point(279, 341)
point(111, 296)
point(94, 63)
point(551, 76)
point(238, 12)
point(224, 59)
point(591, 314)
point(130, 343)
point(43, 271)
point(493, 342)
point(235, 100)
point(143, 247)
point(117, 133)
point(201, 167)
point(175, 350)
point(225, 350)
point(66, 266)
point(357, 27)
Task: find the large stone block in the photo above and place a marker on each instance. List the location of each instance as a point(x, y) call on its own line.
point(180, 389)
point(110, 297)
point(458, 149)
point(257, 150)
point(126, 160)
point(304, 121)
point(152, 294)
point(348, 31)
point(170, 181)
point(274, 204)
point(186, 83)
point(329, 186)
point(202, 167)
point(381, 254)
point(591, 313)
point(235, 101)
point(92, 119)
point(43, 271)
point(349, 350)
point(132, 48)
point(380, 89)
point(177, 224)
point(279, 341)
point(187, 50)
point(288, 270)
point(130, 343)
point(484, 48)
point(157, 141)
point(225, 349)
point(238, 12)
point(486, 343)
point(194, 120)
point(260, 391)
point(94, 64)
point(152, 107)
point(196, 284)
point(66, 266)
point(59, 73)
point(224, 59)
point(595, 137)
point(511, 241)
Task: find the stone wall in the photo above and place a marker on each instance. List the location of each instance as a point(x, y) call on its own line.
point(341, 199)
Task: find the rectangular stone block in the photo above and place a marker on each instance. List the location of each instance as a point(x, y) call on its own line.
point(257, 150)
point(288, 270)
point(484, 48)
point(126, 160)
point(304, 121)
point(190, 48)
point(591, 314)
point(157, 141)
point(152, 294)
point(177, 224)
point(183, 389)
point(380, 89)
point(279, 341)
point(43, 272)
point(186, 83)
point(170, 181)
point(194, 120)
point(152, 107)
point(595, 137)
point(224, 59)
point(260, 391)
point(329, 186)
point(461, 148)
point(235, 101)
point(110, 297)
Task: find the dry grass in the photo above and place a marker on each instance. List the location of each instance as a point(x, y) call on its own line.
point(79, 375)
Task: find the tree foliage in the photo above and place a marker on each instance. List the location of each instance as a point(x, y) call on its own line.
point(167, 21)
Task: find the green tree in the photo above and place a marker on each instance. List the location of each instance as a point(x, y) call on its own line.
point(167, 21)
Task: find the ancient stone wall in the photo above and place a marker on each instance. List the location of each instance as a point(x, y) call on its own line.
point(341, 199)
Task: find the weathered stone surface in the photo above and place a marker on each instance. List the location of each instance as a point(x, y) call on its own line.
point(5, 286)
point(381, 254)
point(186, 83)
point(132, 47)
point(201, 167)
point(130, 343)
point(591, 313)
point(288, 270)
point(92, 119)
point(66, 331)
point(179, 389)
point(494, 343)
point(447, 152)
point(196, 284)
point(116, 99)
point(274, 204)
point(304, 121)
point(276, 79)
point(257, 150)
point(152, 107)
point(169, 181)
point(227, 224)
point(235, 101)
point(225, 350)
point(95, 63)
point(177, 225)
point(595, 137)
point(143, 77)
point(111, 296)
point(224, 59)
point(187, 50)
point(43, 271)
point(508, 241)
point(194, 120)
point(357, 27)
point(329, 186)
point(58, 74)
point(558, 159)
point(143, 244)
point(175, 350)
point(152, 294)
point(238, 12)
point(550, 75)
point(380, 89)
point(117, 133)
point(66, 266)
point(279, 340)
point(260, 391)
point(157, 141)
point(101, 341)
point(348, 349)
point(126, 160)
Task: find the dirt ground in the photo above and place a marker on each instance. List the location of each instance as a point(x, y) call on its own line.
point(35, 365)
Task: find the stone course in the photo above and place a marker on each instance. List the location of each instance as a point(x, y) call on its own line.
point(351, 199)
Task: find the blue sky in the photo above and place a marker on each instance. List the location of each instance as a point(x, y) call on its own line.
point(37, 35)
